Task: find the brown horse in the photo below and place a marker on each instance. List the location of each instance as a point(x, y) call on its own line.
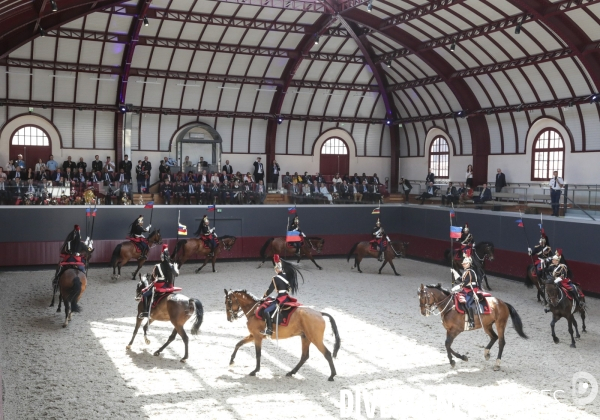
point(127, 250)
point(434, 298)
point(278, 246)
point(363, 249)
point(563, 307)
point(305, 322)
point(481, 252)
point(187, 248)
point(176, 308)
point(71, 284)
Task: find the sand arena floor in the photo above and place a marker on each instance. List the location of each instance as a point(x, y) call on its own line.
point(85, 372)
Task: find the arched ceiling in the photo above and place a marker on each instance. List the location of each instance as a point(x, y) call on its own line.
point(259, 58)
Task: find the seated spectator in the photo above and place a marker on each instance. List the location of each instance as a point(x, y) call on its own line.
point(107, 177)
point(68, 175)
point(80, 177)
point(51, 165)
point(82, 164)
point(306, 189)
point(335, 192)
point(248, 178)
point(325, 192)
point(484, 195)
point(17, 190)
point(178, 192)
point(297, 178)
point(187, 164)
point(296, 189)
point(337, 179)
point(236, 193)
point(318, 178)
point(166, 190)
point(110, 167)
point(225, 192)
point(364, 190)
point(203, 177)
point(375, 193)
point(223, 177)
point(260, 192)
point(347, 179)
point(163, 168)
point(17, 174)
point(56, 176)
point(40, 167)
point(203, 163)
point(214, 178)
point(375, 179)
point(30, 174)
point(461, 192)
point(4, 188)
point(237, 177)
point(3, 176)
point(365, 177)
point(306, 178)
point(430, 192)
point(122, 176)
point(357, 192)
point(356, 179)
point(249, 196)
point(214, 191)
point(10, 169)
point(202, 193)
point(345, 191)
point(286, 180)
point(450, 196)
point(95, 177)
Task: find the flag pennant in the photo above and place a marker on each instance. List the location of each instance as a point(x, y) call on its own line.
point(94, 212)
point(292, 210)
point(149, 205)
point(455, 231)
point(452, 214)
point(211, 208)
point(182, 230)
point(293, 236)
point(520, 222)
point(376, 211)
point(88, 212)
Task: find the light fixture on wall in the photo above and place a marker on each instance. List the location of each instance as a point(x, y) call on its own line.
point(316, 39)
point(146, 23)
point(370, 6)
point(518, 28)
point(388, 63)
point(42, 32)
point(53, 6)
point(461, 114)
point(388, 121)
point(453, 46)
point(594, 98)
point(279, 119)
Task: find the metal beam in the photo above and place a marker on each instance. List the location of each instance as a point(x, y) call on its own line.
point(302, 6)
point(420, 11)
point(58, 66)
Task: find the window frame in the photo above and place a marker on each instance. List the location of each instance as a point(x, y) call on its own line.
point(37, 127)
point(335, 138)
point(535, 149)
point(432, 153)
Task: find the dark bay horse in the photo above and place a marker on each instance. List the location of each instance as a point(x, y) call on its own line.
point(176, 308)
point(71, 284)
point(434, 298)
point(563, 307)
point(127, 250)
point(305, 322)
point(363, 249)
point(483, 251)
point(531, 279)
point(278, 246)
point(187, 248)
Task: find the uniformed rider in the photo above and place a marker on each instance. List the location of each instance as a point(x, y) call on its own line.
point(379, 236)
point(207, 234)
point(543, 253)
point(560, 274)
point(295, 227)
point(162, 275)
point(468, 282)
point(137, 230)
point(284, 283)
point(466, 241)
point(70, 251)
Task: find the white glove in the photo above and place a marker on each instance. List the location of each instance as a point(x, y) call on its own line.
point(149, 226)
point(176, 268)
point(558, 280)
point(455, 273)
point(529, 251)
point(457, 288)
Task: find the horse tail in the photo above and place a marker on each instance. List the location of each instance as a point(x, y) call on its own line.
point(179, 245)
point(516, 320)
point(199, 313)
point(115, 255)
point(352, 251)
point(264, 248)
point(528, 282)
point(74, 295)
point(338, 341)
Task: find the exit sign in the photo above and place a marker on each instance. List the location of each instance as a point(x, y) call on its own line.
point(219, 210)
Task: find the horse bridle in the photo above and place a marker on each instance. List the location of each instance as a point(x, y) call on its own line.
point(428, 306)
point(236, 314)
point(485, 256)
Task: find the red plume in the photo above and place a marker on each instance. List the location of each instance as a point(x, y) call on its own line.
point(276, 258)
point(559, 252)
point(165, 246)
point(77, 227)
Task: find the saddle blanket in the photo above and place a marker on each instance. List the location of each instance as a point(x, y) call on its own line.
point(163, 293)
point(460, 301)
point(565, 289)
point(375, 246)
point(293, 244)
point(136, 242)
point(285, 312)
point(206, 245)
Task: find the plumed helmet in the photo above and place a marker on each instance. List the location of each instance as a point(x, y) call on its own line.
point(556, 257)
point(278, 267)
point(467, 260)
point(378, 222)
point(165, 247)
point(77, 227)
point(543, 240)
point(296, 217)
point(466, 228)
point(205, 219)
point(140, 218)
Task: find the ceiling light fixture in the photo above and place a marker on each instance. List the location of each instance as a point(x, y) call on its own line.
point(370, 6)
point(228, 87)
point(266, 90)
point(316, 39)
point(53, 6)
point(146, 82)
point(42, 32)
point(453, 46)
point(188, 85)
point(146, 23)
point(518, 28)
point(388, 63)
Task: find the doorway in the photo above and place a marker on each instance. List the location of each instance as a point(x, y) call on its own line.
point(334, 157)
point(33, 143)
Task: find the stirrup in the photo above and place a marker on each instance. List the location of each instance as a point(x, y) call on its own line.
point(143, 315)
point(267, 332)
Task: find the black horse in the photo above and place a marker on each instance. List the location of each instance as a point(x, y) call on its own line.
point(482, 251)
point(563, 307)
point(531, 279)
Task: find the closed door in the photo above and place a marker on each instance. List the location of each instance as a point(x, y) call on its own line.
point(334, 157)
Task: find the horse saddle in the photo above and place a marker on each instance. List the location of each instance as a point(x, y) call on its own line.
point(460, 302)
point(293, 244)
point(284, 314)
point(569, 293)
point(162, 293)
point(136, 242)
point(375, 244)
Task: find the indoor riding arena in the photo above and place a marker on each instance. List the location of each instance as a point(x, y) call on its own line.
point(303, 209)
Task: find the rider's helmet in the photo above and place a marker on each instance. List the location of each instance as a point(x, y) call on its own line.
point(140, 219)
point(466, 262)
point(164, 254)
point(466, 228)
point(378, 223)
point(205, 219)
point(278, 267)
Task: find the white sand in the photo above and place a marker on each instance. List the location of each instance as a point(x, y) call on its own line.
point(85, 372)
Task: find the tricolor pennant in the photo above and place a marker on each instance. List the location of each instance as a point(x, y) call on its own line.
point(293, 236)
point(455, 232)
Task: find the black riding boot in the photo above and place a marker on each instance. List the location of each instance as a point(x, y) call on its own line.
point(471, 318)
point(380, 257)
point(269, 330)
point(146, 301)
point(298, 250)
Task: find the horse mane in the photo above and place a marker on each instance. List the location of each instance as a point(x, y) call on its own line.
point(256, 299)
point(227, 237)
point(315, 238)
point(439, 287)
point(491, 244)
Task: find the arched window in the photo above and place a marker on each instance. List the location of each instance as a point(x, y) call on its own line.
point(439, 157)
point(334, 146)
point(30, 136)
point(548, 155)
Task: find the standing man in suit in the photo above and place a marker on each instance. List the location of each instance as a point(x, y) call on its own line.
point(405, 187)
point(430, 177)
point(97, 164)
point(556, 183)
point(228, 168)
point(275, 170)
point(259, 170)
point(81, 164)
point(500, 180)
point(147, 165)
point(69, 164)
point(126, 165)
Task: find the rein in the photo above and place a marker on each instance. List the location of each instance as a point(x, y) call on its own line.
point(429, 306)
point(485, 256)
point(236, 314)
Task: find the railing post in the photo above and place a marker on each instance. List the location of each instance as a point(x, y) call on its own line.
point(565, 198)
